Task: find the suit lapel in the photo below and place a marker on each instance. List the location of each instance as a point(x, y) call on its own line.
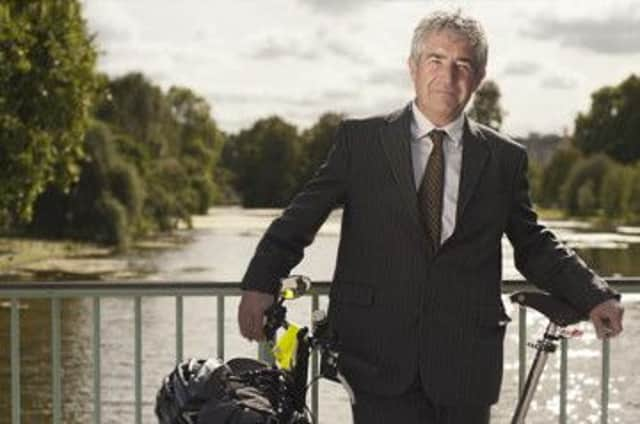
point(395, 138)
point(475, 153)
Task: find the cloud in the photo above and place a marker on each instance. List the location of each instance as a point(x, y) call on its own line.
point(394, 77)
point(521, 68)
point(335, 7)
point(558, 83)
point(274, 48)
point(262, 98)
point(339, 95)
point(344, 50)
point(277, 47)
point(617, 34)
point(111, 22)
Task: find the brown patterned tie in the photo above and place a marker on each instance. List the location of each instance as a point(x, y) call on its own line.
point(431, 191)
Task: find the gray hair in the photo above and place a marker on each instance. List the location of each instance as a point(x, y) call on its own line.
point(462, 25)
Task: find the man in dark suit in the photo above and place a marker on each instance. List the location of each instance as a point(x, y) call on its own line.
point(427, 195)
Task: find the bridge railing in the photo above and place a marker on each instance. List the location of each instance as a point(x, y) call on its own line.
point(56, 291)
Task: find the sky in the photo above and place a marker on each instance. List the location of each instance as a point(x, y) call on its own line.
point(300, 58)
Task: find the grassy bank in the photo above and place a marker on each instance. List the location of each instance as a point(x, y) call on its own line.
point(24, 259)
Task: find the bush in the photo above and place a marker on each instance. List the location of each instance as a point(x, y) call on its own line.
point(587, 200)
point(111, 226)
point(633, 196)
point(614, 193)
point(127, 187)
point(591, 169)
point(554, 176)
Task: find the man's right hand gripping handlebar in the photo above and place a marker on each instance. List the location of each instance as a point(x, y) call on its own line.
point(251, 313)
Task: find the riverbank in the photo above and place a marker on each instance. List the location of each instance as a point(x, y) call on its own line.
point(37, 259)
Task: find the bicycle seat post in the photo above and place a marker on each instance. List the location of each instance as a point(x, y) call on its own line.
point(544, 346)
point(560, 315)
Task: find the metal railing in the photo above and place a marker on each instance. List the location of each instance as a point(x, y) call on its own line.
point(56, 291)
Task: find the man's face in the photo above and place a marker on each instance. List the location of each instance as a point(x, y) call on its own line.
point(445, 76)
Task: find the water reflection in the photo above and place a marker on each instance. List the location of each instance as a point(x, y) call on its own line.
point(35, 349)
point(613, 262)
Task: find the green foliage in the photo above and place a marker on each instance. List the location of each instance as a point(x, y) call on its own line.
point(612, 125)
point(111, 222)
point(587, 201)
point(589, 172)
point(264, 160)
point(555, 175)
point(633, 197)
point(47, 82)
point(535, 180)
point(317, 142)
point(486, 108)
point(104, 205)
point(615, 191)
point(138, 108)
point(126, 186)
point(172, 141)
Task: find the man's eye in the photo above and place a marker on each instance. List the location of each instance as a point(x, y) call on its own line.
point(464, 66)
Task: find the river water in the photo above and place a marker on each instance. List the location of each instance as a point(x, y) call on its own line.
point(222, 245)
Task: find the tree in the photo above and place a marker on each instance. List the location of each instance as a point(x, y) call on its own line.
point(198, 143)
point(264, 160)
point(612, 125)
point(47, 82)
point(555, 174)
point(615, 191)
point(589, 171)
point(486, 107)
point(166, 135)
point(104, 205)
point(138, 108)
point(317, 141)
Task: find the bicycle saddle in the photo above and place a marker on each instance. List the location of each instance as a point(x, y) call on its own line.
point(556, 310)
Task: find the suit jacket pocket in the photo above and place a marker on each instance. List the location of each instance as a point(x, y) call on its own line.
point(490, 322)
point(352, 293)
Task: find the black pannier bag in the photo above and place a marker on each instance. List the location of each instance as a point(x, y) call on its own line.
point(207, 391)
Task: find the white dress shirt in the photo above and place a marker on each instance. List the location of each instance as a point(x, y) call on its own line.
point(421, 146)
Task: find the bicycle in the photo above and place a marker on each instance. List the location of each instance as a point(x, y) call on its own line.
point(284, 385)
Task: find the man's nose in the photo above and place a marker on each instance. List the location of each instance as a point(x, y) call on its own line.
point(448, 73)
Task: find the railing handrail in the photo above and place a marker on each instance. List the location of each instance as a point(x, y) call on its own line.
point(58, 289)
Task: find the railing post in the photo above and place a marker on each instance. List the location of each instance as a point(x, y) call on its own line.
point(522, 348)
point(315, 395)
point(179, 329)
point(604, 382)
point(220, 320)
point(563, 380)
point(138, 359)
point(264, 353)
point(56, 383)
point(15, 361)
point(97, 403)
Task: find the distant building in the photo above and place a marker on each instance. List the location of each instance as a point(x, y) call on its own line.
point(541, 147)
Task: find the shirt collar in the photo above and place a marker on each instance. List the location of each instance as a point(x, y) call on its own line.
point(421, 126)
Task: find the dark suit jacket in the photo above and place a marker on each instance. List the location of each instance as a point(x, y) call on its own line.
point(397, 307)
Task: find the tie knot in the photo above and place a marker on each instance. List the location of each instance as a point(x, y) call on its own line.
point(437, 136)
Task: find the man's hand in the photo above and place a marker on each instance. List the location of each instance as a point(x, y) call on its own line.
point(607, 318)
point(251, 313)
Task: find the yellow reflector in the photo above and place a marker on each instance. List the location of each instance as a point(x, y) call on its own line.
point(288, 294)
point(286, 347)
